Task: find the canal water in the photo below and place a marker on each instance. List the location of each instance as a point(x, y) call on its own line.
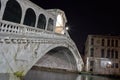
point(45, 75)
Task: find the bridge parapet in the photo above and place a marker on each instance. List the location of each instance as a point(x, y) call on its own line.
point(7, 28)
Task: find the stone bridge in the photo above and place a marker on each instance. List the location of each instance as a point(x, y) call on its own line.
point(32, 36)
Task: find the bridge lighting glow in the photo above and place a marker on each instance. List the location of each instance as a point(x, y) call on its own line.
point(59, 24)
point(67, 28)
point(59, 20)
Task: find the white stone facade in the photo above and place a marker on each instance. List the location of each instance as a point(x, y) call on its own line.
point(102, 54)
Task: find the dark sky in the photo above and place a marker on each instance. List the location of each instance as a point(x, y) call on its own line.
point(87, 17)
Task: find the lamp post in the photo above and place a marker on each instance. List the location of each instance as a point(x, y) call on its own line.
point(67, 28)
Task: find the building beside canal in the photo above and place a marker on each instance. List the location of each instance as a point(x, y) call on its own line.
point(102, 54)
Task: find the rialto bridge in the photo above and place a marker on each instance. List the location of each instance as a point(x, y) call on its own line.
point(32, 36)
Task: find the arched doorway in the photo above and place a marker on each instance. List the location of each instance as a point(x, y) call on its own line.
point(41, 22)
point(13, 11)
point(30, 17)
point(50, 24)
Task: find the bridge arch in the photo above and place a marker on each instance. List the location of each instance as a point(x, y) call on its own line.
point(41, 21)
point(50, 24)
point(30, 17)
point(13, 11)
point(59, 58)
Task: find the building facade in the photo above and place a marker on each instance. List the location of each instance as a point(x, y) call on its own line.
point(102, 54)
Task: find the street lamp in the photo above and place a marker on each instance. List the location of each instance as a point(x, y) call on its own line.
point(67, 28)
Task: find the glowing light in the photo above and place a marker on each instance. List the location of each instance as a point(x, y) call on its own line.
point(67, 28)
point(109, 62)
point(59, 21)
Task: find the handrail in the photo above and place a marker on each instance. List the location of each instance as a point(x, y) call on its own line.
point(15, 28)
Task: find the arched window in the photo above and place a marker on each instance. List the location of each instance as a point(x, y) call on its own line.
point(30, 18)
point(41, 21)
point(50, 24)
point(13, 11)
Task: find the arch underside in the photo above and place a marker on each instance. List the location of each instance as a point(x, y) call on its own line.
point(59, 58)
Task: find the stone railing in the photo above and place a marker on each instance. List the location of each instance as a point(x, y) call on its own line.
point(7, 27)
point(10, 28)
point(36, 34)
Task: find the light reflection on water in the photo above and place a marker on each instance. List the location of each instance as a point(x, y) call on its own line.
point(44, 75)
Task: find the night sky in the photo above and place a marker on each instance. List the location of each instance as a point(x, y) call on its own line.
point(87, 17)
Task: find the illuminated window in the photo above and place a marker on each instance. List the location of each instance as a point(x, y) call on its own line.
point(30, 18)
point(12, 11)
point(59, 25)
point(59, 21)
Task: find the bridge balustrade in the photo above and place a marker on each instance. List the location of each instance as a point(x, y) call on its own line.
point(10, 28)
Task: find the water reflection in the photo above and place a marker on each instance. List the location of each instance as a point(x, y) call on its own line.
point(44, 75)
point(91, 77)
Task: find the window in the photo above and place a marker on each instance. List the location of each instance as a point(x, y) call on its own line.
point(30, 18)
point(92, 41)
point(12, 11)
point(103, 42)
point(116, 54)
point(41, 22)
point(102, 53)
point(92, 63)
point(112, 66)
point(112, 54)
point(116, 65)
point(108, 53)
point(112, 43)
point(108, 42)
point(116, 43)
point(59, 24)
point(91, 52)
point(50, 24)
